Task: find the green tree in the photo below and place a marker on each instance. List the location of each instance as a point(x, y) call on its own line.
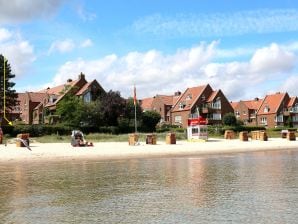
point(10, 93)
point(129, 111)
point(150, 120)
point(229, 119)
point(71, 110)
point(112, 107)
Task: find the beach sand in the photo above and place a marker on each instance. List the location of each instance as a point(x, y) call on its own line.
point(121, 150)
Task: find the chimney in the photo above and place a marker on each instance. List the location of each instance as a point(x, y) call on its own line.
point(69, 80)
point(81, 76)
point(178, 93)
point(256, 99)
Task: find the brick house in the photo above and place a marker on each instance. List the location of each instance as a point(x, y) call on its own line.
point(146, 104)
point(34, 107)
point(278, 110)
point(162, 104)
point(212, 105)
point(246, 110)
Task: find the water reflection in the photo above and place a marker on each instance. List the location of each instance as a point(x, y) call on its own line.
point(252, 188)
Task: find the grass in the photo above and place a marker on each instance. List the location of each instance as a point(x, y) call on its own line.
point(99, 137)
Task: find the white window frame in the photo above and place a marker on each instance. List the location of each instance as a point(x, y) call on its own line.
point(264, 120)
point(178, 119)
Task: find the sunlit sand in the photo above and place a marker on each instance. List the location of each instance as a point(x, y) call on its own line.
point(121, 150)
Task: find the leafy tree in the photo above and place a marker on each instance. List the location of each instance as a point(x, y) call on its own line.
point(229, 119)
point(71, 109)
point(112, 107)
point(92, 115)
point(10, 93)
point(129, 111)
point(150, 120)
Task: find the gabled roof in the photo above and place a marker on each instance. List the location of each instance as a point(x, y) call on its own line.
point(273, 102)
point(212, 96)
point(167, 100)
point(83, 89)
point(146, 103)
point(292, 101)
point(33, 97)
point(59, 90)
point(234, 104)
point(253, 104)
point(189, 97)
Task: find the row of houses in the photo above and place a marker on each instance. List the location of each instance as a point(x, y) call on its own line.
point(273, 110)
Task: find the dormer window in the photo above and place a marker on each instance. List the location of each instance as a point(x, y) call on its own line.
point(266, 109)
point(181, 106)
point(188, 97)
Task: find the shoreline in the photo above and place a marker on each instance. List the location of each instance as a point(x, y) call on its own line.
point(121, 150)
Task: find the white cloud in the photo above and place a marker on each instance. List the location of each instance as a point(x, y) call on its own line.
point(154, 72)
point(62, 46)
point(272, 59)
point(23, 10)
point(86, 43)
point(4, 34)
point(19, 52)
point(290, 85)
point(218, 24)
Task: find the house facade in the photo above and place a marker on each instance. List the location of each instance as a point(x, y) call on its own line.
point(37, 107)
point(278, 109)
point(162, 104)
point(246, 111)
point(212, 105)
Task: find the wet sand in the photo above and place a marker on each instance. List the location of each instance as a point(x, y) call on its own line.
point(121, 150)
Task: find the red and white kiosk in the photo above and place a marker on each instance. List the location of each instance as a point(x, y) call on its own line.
point(197, 129)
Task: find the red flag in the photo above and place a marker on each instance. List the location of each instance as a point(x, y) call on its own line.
point(134, 95)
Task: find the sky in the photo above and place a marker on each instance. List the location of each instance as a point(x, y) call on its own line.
point(245, 48)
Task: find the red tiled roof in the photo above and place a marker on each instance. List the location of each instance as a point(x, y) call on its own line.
point(83, 89)
point(273, 102)
point(253, 104)
point(59, 90)
point(212, 96)
point(146, 103)
point(189, 97)
point(234, 104)
point(167, 100)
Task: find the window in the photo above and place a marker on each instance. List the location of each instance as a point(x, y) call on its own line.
point(295, 118)
point(264, 120)
point(87, 97)
point(279, 118)
point(237, 113)
point(178, 119)
point(295, 108)
point(266, 109)
point(194, 131)
point(181, 106)
point(188, 97)
point(216, 116)
point(216, 104)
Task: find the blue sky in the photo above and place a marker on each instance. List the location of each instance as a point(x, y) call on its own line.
point(245, 48)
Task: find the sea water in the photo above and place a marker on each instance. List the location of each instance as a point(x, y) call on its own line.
point(259, 187)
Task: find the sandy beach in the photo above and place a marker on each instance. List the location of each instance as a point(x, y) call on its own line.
point(121, 150)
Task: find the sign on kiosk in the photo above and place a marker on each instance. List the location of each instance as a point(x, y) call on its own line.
point(197, 121)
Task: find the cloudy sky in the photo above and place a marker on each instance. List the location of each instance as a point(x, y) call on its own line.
point(245, 49)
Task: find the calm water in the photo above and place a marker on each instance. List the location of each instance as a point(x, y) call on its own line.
point(238, 188)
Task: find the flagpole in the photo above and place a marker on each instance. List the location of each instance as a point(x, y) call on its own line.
point(135, 104)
